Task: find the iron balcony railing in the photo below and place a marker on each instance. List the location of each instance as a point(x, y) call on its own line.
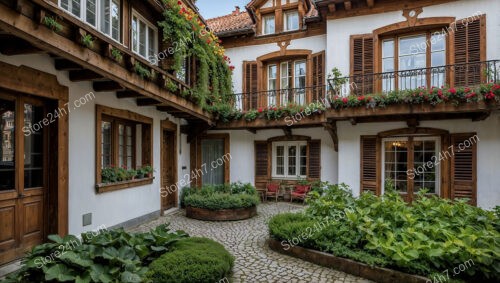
point(458, 75)
point(279, 97)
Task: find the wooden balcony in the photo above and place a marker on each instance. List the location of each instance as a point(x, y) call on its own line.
point(22, 31)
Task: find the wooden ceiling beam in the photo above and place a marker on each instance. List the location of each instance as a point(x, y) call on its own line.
point(370, 3)
point(147, 102)
point(107, 86)
point(12, 45)
point(66, 65)
point(128, 94)
point(83, 75)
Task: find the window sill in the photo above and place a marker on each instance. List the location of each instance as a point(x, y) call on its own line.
point(109, 187)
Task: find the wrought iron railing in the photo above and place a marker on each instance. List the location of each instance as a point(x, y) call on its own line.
point(280, 97)
point(468, 74)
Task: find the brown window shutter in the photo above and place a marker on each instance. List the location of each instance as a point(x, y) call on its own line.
point(250, 85)
point(362, 63)
point(318, 75)
point(469, 50)
point(261, 163)
point(314, 160)
point(370, 165)
point(463, 167)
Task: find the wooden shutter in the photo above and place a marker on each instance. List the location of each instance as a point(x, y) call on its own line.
point(469, 39)
point(463, 167)
point(262, 163)
point(318, 75)
point(362, 63)
point(314, 160)
point(370, 165)
point(250, 85)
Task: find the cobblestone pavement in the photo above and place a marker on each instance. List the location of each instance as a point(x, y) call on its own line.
point(245, 239)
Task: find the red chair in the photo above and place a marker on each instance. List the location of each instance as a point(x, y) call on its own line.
point(272, 190)
point(300, 192)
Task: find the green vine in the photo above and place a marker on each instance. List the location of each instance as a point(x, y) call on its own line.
point(52, 23)
point(116, 54)
point(142, 71)
point(88, 40)
point(187, 36)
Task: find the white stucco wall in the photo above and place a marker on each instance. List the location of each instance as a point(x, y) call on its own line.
point(113, 207)
point(340, 30)
point(252, 52)
point(243, 153)
point(488, 151)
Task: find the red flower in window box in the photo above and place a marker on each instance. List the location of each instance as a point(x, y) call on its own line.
point(361, 98)
point(452, 91)
point(344, 100)
point(260, 110)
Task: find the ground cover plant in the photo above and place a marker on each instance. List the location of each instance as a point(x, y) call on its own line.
point(108, 256)
point(217, 197)
point(429, 237)
point(192, 260)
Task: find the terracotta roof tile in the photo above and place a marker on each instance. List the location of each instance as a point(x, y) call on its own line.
point(230, 23)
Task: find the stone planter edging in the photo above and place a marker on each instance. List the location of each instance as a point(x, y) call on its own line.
point(221, 215)
point(377, 274)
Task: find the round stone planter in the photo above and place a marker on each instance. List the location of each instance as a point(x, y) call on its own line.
point(221, 215)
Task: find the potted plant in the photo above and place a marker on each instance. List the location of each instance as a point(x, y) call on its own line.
point(140, 174)
point(131, 173)
point(121, 174)
point(148, 170)
point(108, 175)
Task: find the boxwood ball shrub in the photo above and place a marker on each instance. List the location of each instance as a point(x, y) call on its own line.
point(428, 237)
point(192, 260)
point(217, 197)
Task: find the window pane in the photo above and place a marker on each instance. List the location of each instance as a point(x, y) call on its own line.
point(303, 160)
point(269, 25)
point(33, 148)
point(388, 48)
point(91, 12)
point(291, 21)
point(130, 149)
point(212, 151)
point(105, 17)
point(121, 143)
point(151, 42)
point(135, 31)
point(7, 145)
point(142, 38)
point(115, 20)
point(438, 42)
point(412, 45)
point(300, 82)
point(280, 160)
point(425, 176)
point(106, 144)
point(395, 163)
point(292, 161)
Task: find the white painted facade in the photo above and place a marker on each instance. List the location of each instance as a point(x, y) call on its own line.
point(109, 208)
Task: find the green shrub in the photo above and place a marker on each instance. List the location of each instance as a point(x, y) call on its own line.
point(430, 236)
point(192, 260)
point(228, 196)
point(109, 256)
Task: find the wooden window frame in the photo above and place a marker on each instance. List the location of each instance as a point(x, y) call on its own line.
point(263, 24)
point(290, 61)
point(279, 10)
point(428, 41)
point(141, 18)
point(119, 116)
point(298, 144)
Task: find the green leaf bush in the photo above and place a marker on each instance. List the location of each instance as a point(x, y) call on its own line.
point(428, 237)
point(227, 196)
point(192, 260)
point(109, 256)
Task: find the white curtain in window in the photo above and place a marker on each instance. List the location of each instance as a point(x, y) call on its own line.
point(212, 150)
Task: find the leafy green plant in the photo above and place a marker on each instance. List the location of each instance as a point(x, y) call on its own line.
point(171, 86)
point(337, 77)
point(109, 256)
point(228, 196)
point(116, 54)
point(430, 236)
point(192, 260)
point(251, 115)
point(52, 23)
point(142, 71)
point(88, 40)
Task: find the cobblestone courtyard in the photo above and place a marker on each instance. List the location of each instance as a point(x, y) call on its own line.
point(255, 262)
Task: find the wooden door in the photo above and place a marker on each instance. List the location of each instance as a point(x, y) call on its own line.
point(23, 180)
point(169, 171)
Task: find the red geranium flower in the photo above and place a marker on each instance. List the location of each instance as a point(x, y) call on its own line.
point(452, 91)
point(344, 100)
point(260, 110)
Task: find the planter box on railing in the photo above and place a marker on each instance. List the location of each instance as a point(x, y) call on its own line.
point(108, 187)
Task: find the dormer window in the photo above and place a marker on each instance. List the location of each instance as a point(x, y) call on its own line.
point(268, 24)
point(291, 21)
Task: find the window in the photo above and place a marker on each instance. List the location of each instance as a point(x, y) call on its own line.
point(407, 53)
point(125, 141)
point(291, 86)
point(144, 37)
point(101, 14)
point(268, 25)
point(397, 163)
point(183, 73)
point(291, 21)
point(120, 134)
point(289, 160)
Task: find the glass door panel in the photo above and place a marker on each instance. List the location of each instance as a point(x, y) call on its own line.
point(7, 144)
point(33, 148)
point(412, 56)
point(396, 163)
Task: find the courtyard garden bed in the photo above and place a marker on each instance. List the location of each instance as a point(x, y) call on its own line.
point(435, 238)
point(118, 256)
point(227, 202)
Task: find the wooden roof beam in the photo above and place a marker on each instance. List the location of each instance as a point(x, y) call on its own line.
point(83, 75)
point(147, 102)
point(127, 94)
point(66, 65)
point(107, 86)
